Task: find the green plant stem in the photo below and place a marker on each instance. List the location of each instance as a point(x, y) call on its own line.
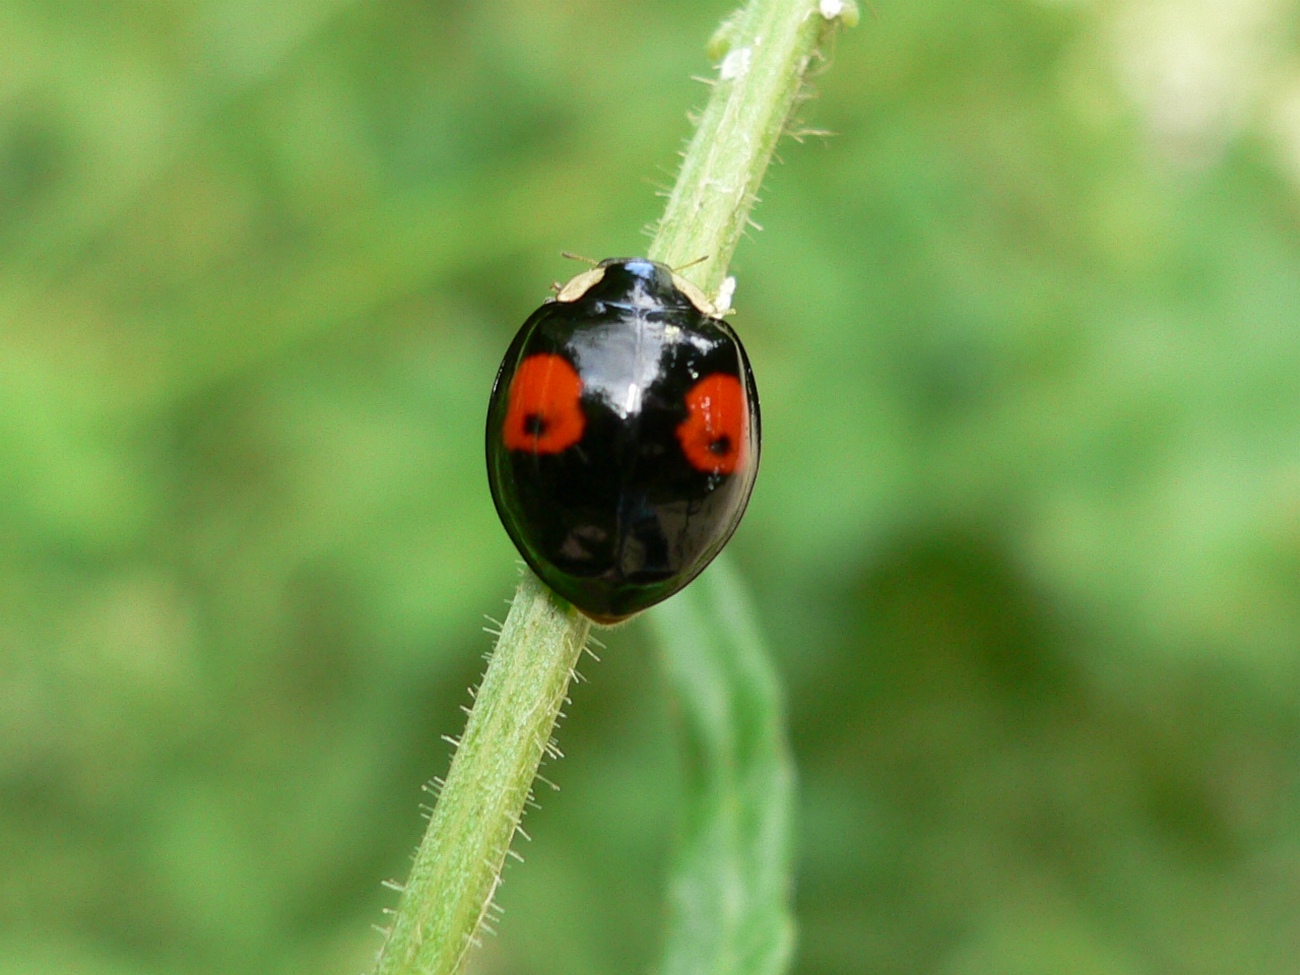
point(766, 49)
point(459, 862)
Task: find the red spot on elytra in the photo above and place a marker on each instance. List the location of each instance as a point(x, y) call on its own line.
point(544, 415)
point(715, 432)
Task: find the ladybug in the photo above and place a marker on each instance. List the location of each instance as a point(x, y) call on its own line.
point(622, 437)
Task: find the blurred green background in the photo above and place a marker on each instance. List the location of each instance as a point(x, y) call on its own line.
point(1026, 538)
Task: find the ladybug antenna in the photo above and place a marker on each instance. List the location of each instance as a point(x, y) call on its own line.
point(683, 267)
point(578, 257)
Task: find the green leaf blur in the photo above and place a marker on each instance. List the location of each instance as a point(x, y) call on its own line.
point(1026, 539)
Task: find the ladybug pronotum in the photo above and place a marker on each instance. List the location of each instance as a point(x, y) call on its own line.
point(622, 437)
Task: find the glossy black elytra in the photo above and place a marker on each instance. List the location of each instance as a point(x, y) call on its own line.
point(622, 437)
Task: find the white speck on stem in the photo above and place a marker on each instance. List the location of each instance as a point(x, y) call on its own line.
point(830, 9)
point(735, 64)
point(726, 291)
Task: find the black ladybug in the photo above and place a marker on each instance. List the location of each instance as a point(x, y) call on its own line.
point(622, 437)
